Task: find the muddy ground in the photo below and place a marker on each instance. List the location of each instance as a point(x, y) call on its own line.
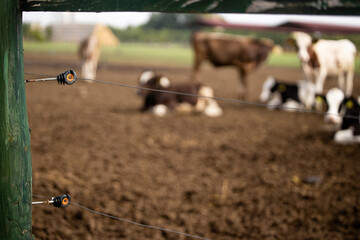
point(233, 177)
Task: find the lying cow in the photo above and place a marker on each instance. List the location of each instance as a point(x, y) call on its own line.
point(326, 57)
point(337, 105)
point(245, 53)
point(288, 96)
point(198, 98)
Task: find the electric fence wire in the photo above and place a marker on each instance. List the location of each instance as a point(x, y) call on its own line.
point(38, 196)
point(178, 93)
point(214, 98)
point(132, 222)
point(138, 224)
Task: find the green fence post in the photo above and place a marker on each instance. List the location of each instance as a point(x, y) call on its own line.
point(15, 159)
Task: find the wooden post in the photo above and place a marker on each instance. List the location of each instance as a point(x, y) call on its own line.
point(15, 159)
point(314, 7)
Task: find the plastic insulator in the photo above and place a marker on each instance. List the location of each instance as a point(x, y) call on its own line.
point(68, 77)
point(62, 201)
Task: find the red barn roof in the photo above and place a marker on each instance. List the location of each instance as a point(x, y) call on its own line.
point(286, 26)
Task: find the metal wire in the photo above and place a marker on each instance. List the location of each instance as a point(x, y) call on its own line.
point(39, 74)
point(129, 221)
point(214, 98)
point(39, 196)
point(184, 94)
point(138, 224)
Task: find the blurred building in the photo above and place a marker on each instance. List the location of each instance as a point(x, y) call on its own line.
point(76, 33)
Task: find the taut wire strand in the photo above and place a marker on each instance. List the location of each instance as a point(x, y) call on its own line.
point(138, 224)
point(129, 221)
point(40, 196)
point(214, 98)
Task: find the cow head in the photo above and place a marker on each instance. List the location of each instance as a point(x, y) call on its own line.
point(269, 87)
point(302, 41)
point(146, 76)
point(149, 79)
point(350, 126)
point(352, 112)
point(352, 105)
point(334, 100)
point(267, 42)
point(307, 93)
point(321, 102)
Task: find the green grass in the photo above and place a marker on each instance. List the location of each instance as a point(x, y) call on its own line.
point(154, 53)
point(48, 47)
point(173, 54)
point(283, 60)
point(292, 60)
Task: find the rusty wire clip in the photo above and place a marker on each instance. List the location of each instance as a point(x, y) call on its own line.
point(58, 201)
point(68, 77)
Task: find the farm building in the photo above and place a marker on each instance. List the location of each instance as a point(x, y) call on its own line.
point(285, 26)
point(78, 32)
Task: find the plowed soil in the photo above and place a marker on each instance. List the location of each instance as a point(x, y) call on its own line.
point(238, 176)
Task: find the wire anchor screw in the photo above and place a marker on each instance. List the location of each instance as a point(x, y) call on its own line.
point(68, 77)
point(58, 201)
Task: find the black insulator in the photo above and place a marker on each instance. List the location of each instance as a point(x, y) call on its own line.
point(68, 77)
point(57, 201)
point(61, 201)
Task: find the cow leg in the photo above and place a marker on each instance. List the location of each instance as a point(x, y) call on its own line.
point(242, 94)
point(274, 102)
point(91, 69)
point(95, 61)
point(308, 72)
point(320, 81)
point(86, 69)
point(208, 105)
point(195, 72)
point(341, 81)
point(94, 65)
point(349, 83)
point(346, 137)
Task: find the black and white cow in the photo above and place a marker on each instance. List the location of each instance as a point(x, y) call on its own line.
point(288, 96)
point(338, 105)
point(199, 98)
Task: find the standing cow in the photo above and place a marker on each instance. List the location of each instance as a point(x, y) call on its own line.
point(89, 52)
point(245, 53)
point(326, 57)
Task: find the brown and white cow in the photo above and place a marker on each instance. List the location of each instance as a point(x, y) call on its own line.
point(326, 57)
point(89, 52)
point(245, 53)
point(196, 97)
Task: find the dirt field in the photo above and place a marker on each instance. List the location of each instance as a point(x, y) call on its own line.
point(233, 177)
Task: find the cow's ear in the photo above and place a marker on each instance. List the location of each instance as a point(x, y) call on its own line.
point(321, 102)
point(146, 76)
point(281, 88)
point(314, 40)
point(349, 103)
point(320, 98)
point(316, 37)
point(291, 41)
point(164, 82)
